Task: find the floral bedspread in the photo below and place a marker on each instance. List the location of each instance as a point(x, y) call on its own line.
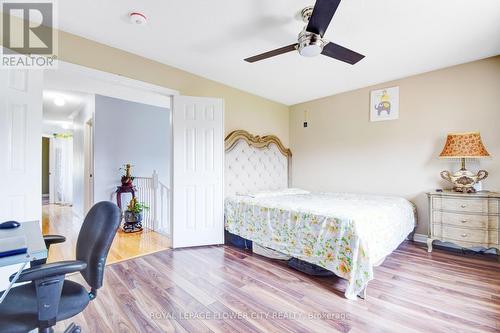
point(345, 233)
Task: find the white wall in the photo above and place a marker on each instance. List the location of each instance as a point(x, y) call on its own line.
point(48, 129)
point(85, 114)
point(129, 132)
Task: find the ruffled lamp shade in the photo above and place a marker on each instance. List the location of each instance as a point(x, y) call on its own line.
point(464, 145)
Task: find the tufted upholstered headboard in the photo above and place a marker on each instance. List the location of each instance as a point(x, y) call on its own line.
point(254, 163)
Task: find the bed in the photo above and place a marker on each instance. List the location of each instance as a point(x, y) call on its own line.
point(345, 233)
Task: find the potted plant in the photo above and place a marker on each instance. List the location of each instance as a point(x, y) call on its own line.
point(133, 215)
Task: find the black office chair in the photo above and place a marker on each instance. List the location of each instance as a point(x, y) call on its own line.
point(50, 298)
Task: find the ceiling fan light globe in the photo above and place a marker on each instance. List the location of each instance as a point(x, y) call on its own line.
point(310, 45)
point(311, 50)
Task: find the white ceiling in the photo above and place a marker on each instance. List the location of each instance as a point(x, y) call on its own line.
point(211, 39)
point(73, 103)
point(58, 119)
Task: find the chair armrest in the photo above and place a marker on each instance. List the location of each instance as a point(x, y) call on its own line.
point(49, 240)
point(49, 280)
point(49, 270)
point(53, 239)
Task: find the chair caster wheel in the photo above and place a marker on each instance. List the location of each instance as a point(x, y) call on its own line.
point(72, 328)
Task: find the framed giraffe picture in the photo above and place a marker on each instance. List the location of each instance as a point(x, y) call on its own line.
point(384, 104)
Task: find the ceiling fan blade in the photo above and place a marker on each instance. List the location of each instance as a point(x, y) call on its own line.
point(272, 53)
point(322, 15)
point(341, 53)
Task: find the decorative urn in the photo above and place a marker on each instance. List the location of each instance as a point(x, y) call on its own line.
point(463, 146)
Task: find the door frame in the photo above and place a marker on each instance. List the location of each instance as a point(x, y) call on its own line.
point(51, 166)
point(93, 81)
point(108, 81)
point(88, 151)
point(52, 160)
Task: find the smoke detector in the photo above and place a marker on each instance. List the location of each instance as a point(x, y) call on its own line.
point(138, 18)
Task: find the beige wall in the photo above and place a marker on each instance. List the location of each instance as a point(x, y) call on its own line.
point(243, 110)
point(342, 150)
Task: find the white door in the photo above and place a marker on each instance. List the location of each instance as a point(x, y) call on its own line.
point(20, 144)
point(198, 170)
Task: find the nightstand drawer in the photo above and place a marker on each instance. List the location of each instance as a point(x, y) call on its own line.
point(466, 220)
point(462, 205)
point(448, 233)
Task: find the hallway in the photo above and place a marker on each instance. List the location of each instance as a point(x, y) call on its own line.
point(60, 220)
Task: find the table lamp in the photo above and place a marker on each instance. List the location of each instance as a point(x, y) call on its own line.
point(462, 146)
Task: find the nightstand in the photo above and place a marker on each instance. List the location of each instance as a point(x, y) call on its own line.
point(465, 219)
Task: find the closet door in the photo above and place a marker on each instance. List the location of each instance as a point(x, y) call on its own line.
point(20, 144)
point(198, 171)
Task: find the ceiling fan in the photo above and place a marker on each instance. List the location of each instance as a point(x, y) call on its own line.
point(310, 42)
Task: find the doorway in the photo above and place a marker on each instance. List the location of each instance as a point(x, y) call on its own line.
point(115, 124)
point(63, 158)
point(60, 110)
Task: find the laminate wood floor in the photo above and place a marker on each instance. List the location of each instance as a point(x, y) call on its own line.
point(223, 289)
point(60, 220)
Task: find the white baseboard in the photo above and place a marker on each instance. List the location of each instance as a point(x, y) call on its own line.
point(421, 238)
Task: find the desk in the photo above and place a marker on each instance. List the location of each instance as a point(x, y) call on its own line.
point(36, 248)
